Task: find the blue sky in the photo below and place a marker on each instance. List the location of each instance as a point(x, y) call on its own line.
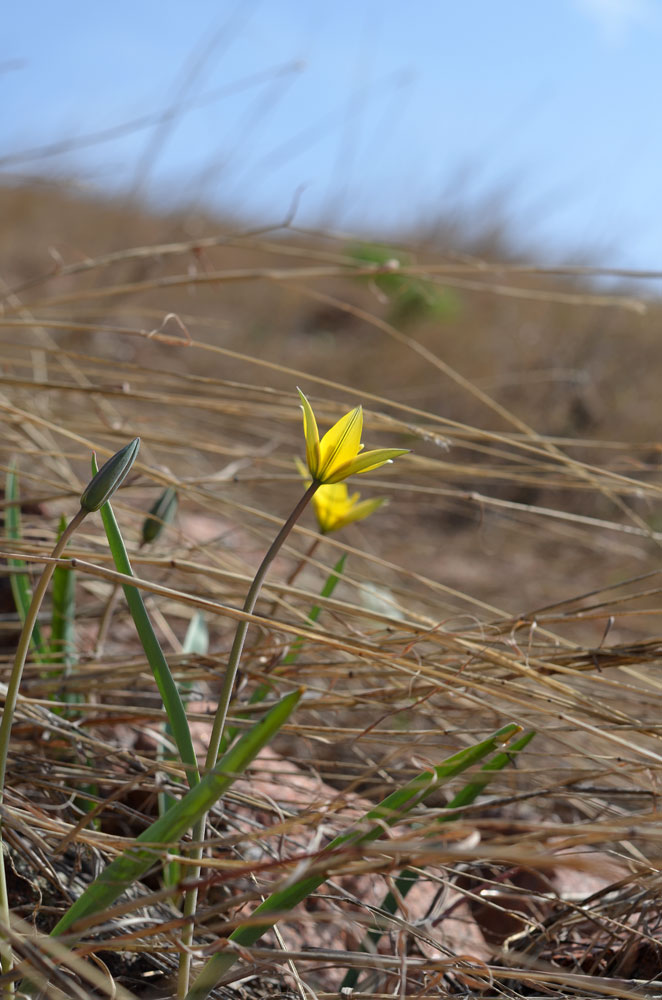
point(389, 115)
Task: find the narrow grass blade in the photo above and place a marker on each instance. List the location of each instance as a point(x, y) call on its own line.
point(19, 580)
point(408, 877)
point(327, 591)
point(464, 797)
point(165, 682)
point(389, 811)
point(196, 640)
point(63, 618)
point(168, 829)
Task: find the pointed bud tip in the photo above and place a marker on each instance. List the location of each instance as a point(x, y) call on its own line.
point(110, 477)
point(161, 514)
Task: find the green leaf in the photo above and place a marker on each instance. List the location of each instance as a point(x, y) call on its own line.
point(408, 877)
point(166, 831)
point(389, 811)
point(165, 682)
point(196, 640)
point(64, 613)
point(19, 579)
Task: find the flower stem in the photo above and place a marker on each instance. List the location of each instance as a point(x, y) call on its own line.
point(224, 698)
point(225, 694)
point(10, 706)
point(271, 613)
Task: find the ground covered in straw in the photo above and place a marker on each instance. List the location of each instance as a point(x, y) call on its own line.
point(513, 577)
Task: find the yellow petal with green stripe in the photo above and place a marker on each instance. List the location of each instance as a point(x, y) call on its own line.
point(341, 443)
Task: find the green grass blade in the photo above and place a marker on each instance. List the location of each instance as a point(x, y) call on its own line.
point(327, 591)
point(168, 829)
point(464, 797)
point(63, 618)
point(408, 877)
point(165, 682)
point(19, 580)
point(196, 640)
point(389, 811)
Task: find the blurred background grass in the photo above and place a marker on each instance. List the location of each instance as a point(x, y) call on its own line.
point(471, 371)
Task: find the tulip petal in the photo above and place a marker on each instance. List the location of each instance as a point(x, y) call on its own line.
point(366, 462)
point(340, 453)
point(312, 436)
point(358, 511)
point(334, 508)
point(330, 503)
point(341, 443)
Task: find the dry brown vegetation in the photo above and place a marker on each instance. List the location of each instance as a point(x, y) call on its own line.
point(514, 576)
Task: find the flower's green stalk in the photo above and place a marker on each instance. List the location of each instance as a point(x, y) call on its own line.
point(10, 707)
point(108, 479)
point(242, 627)
point(262, 690)
point(330, 460)
point(225, 696)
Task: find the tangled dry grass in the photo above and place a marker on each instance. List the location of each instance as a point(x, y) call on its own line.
point(514, 576)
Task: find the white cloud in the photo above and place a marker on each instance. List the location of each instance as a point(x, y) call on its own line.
point(616, 18)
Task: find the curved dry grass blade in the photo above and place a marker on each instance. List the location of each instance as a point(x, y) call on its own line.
point(327, 590)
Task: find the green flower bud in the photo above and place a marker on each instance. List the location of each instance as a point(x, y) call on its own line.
point(109, 477)
point(160, 514)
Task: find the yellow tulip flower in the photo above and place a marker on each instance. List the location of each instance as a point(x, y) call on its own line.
point(335, 508)
point(336, 456)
